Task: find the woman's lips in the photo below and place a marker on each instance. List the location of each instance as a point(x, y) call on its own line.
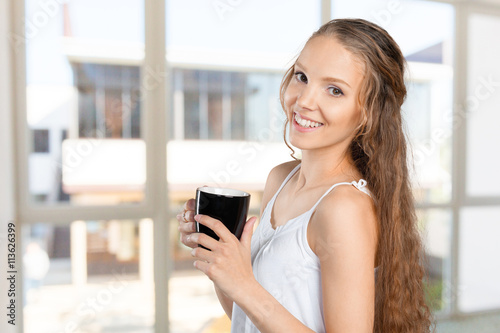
point(303, 129)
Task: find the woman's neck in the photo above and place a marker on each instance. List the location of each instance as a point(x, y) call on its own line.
point(317, 168)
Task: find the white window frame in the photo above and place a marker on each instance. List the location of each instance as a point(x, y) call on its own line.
point(154, 133)
point(460, 198)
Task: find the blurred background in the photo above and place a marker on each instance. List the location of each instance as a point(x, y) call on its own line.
point(113, 112)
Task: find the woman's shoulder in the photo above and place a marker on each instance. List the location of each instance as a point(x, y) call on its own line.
point(274, 180)
point(346, 195)
point(282, 170)
point(346, 200)
point(345, 213)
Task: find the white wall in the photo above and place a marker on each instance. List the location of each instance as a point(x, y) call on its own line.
point(7, 210)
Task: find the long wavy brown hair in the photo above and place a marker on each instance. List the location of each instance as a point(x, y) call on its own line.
point(379, 151)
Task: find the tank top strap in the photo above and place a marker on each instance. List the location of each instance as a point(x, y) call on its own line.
point(288, 178)
point(360, 185)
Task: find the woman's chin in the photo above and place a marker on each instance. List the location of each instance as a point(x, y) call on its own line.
point(300, 144)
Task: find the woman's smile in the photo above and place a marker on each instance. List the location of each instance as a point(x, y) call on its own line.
point(303, 124)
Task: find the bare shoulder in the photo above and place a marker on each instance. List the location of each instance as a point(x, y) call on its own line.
point(276, 176)
point(345, 218)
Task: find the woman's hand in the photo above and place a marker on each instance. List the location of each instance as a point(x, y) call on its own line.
point(228, 264)
point(187, 223)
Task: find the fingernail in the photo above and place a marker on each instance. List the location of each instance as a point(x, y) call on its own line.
point(196, 217)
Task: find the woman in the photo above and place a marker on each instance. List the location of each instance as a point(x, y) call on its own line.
point(337, 248)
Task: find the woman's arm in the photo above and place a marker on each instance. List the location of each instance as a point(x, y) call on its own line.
point(273, 182)
point(343, 234)
point(228, 266)
point(266, 313)
point(225, 302)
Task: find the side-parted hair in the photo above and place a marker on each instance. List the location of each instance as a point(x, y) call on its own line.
point(379, 151)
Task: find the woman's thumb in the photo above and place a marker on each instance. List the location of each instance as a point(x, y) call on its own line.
point(246, 235)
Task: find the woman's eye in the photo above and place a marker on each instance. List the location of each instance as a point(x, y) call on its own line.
point(335, 91)
point(301, 77)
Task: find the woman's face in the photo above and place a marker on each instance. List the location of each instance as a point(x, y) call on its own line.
point(321, 98)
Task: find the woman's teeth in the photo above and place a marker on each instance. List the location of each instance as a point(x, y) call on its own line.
point(306, 123)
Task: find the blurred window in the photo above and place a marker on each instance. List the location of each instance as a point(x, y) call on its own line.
point(222, 105)
point(41, 141)
point(108, 100)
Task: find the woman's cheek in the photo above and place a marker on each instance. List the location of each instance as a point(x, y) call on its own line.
point(290, 96)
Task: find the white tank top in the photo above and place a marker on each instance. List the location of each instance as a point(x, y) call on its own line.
point(285, 265)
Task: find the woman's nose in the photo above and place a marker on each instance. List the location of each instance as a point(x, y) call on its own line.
point(306, 98)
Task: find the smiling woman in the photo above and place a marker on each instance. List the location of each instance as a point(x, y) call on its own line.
point(366, 127)
point(321, 92)
point(326, 257)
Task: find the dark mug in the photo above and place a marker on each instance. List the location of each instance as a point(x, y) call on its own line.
point(224, 204)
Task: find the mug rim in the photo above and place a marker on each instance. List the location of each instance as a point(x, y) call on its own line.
point(224, 191)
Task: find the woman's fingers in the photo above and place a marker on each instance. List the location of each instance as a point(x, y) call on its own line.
point(187, 227)
point(246, 236)
point(190, 205)
point(187, 223)
point(186, 216)
point(202, 254)
point(202, 266)
point(204, 240)
point(186, 240)
point(217, 226)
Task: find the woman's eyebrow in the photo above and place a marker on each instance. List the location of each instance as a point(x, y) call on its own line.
point(325, 79)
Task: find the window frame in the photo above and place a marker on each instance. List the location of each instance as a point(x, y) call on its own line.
point(154, 133)
point(460, 198)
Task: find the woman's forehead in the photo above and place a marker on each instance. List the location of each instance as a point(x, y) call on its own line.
point(327, 57)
